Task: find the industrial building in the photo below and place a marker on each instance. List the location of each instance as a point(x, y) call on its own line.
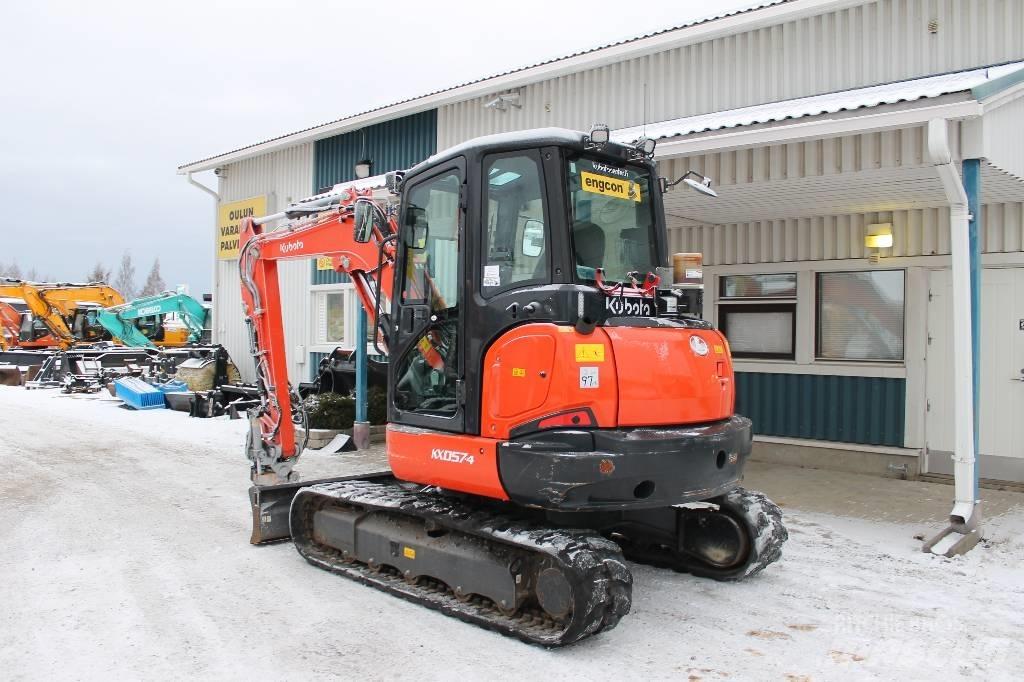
point(827, 252)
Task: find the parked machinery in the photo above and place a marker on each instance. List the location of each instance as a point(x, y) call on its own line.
point(144, 322)
point(546, 421)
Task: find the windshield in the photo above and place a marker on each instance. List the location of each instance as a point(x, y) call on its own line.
point(612, 219)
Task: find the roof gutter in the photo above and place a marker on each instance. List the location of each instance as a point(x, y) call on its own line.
point(686, 35)
point(192, 181)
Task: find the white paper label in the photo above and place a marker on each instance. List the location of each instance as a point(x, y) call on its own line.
point(492, 275)
point(694, 274)
point(589, 377)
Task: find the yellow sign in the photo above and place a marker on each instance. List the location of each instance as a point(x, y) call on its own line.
point(518, 372)
point(229, 219)
point(409, 552)
point(589, 352)
point(324, 263)
point(620, 188)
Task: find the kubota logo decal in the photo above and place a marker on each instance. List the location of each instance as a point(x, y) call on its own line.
point(453, 456)
point(288, 247)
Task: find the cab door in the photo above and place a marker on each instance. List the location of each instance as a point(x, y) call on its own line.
point(425, 374)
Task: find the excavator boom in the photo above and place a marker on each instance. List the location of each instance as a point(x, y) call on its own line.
point(327, 231)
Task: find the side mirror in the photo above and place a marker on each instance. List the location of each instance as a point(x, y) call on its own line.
point(364, 213)
point(533, 238)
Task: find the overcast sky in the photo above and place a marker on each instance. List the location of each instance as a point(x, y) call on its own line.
point(101, 101)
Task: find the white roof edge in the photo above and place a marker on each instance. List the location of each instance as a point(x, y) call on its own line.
point(879, 118)
point(744, 19)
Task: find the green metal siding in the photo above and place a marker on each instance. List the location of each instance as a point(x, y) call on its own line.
point(390, 145)
point(314, 364)
point(867, 410)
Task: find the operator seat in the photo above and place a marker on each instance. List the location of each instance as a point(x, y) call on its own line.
point(588, 241)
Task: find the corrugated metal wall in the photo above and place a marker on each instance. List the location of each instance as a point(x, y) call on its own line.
point(391, 145)
point(918, 232)
point(868, 410)
point(1004, 136)
point(284, 176)
point(873, 43)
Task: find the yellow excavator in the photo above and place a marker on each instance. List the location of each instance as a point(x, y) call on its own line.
point(62, 314)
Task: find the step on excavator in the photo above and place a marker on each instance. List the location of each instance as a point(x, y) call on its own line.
point(551, 415)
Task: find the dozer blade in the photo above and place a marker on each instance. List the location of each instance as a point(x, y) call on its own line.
point(10, 375)
point(270, 505)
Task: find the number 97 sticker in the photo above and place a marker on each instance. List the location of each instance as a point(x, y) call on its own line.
point(589, 377)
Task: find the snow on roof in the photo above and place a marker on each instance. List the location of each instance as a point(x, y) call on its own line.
point(846, 100)
point(715, 17)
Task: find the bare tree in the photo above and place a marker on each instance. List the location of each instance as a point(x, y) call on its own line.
point(154, 282)
point(98, 273)
point(10, 270)
point(125, 281)
point(32, 275)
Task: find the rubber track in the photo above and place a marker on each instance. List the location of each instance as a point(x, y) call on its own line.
point(602, 584)
point(763, 519)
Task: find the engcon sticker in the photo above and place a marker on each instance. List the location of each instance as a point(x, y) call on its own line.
point(519, 371)
point(589, 352)
point(620, 188)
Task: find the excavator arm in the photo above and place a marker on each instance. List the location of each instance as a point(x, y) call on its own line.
point(328, 230)
point(118, 320)
point(63, 300)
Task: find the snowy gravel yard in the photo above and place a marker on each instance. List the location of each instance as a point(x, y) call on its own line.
point(126, 556)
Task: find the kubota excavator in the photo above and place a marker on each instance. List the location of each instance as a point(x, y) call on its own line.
point(143, 322)
point(550, 417)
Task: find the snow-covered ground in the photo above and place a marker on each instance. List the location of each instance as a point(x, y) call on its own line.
point(125, 554)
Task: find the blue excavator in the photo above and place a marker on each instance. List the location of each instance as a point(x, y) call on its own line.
point(143, 322)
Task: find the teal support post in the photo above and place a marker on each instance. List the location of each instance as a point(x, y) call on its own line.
point(361, 428)
point(972, 187)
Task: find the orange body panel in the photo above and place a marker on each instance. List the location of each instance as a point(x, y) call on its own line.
point(626, 376)
point(457, 462)
point(665, 380)
point(532, 371)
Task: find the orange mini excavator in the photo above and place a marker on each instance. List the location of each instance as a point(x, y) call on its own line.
point(551, 414)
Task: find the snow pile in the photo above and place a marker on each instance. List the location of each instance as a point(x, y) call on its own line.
point(126, 555)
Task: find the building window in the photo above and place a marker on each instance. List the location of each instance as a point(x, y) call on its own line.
point(860, 315)
point(330, 317)
point(757, 314)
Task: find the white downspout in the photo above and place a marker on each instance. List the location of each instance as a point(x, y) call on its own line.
point(966, 507)
point(214, 319)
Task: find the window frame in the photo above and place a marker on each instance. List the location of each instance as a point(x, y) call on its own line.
point(771, 305)
point(722, 296)
point(485, 163)
point(347, 290)
point(818, 357)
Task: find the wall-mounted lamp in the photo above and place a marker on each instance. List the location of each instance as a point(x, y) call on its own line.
point(363, 169)
point(879, 236)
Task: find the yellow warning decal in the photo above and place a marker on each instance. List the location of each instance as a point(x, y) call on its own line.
point(409, 552)
point(589, 352)
point(518, 372)
point(719, 350)
point(620, 188)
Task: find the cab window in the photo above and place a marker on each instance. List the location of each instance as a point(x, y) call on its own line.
point(516, 233)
